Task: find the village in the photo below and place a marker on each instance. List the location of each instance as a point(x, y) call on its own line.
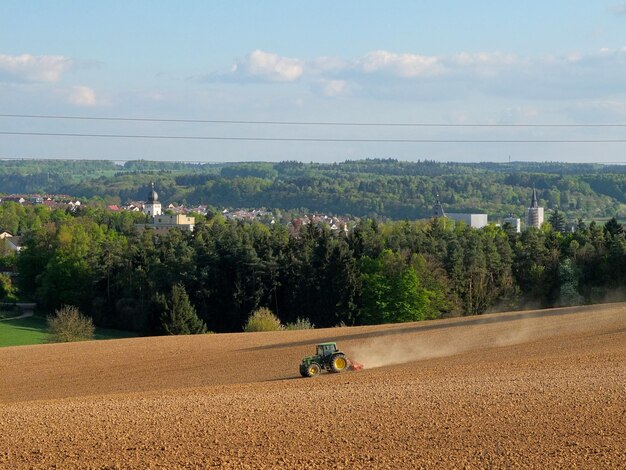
point(163, 218)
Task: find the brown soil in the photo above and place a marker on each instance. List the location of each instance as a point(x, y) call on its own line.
point(522, 389)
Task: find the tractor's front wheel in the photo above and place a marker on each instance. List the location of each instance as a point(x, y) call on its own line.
point(338, 363)
point(312, 370)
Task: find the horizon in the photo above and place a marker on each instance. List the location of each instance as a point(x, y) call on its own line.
point(121, 162)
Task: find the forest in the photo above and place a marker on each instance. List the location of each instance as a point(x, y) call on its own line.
point(395, 264)
point(382, 189)
point(380, 272)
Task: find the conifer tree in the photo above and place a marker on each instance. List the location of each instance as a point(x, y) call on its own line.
point(178, 316)
point(613, 229)
point(557, 220)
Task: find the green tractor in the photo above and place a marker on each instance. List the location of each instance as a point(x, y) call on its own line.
point(327, 357)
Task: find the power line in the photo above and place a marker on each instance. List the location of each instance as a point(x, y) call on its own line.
point(319, 139)
point(300, 123)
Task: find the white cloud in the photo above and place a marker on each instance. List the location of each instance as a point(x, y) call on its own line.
point(30, 68)
point(389, 75)
point(332, 88)
point(269, 66)
point(83, 96)
point(482, 64)
point(401, 65)
point(484, 58)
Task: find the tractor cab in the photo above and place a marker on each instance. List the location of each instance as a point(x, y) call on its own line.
point(326, 349)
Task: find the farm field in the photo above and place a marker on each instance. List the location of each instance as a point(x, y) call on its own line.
point(543, 389)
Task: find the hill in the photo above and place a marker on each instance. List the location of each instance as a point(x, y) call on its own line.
point(385, 188)
point(535, 388)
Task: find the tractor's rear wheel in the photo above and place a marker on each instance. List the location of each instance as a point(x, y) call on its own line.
point(312, 370)
point(338, 363)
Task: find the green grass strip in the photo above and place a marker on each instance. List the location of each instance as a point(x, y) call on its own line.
point(33, 330)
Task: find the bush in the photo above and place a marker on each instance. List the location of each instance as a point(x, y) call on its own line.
point(7, 291)
point(300, 324)
point(262, 319)
point(68, 325)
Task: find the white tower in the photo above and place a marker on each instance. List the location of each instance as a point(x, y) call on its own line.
point(534, 214)
point(153, 206)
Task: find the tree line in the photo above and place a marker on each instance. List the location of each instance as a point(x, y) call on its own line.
point(375, 188)
point(379, 272)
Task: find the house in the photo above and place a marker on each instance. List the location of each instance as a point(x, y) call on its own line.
point(134, 207)
point(515, 222)
point(9, 243)
point(48, 202)
point(18, 199)
point(73, 206)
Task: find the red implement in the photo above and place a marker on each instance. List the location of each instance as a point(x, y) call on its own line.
point(355, 366)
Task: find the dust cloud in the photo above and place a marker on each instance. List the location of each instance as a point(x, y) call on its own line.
point(466, 335)
point(386, 351)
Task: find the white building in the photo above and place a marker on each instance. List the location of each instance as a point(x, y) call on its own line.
point(534, 214)
point(514, 221)
point(161, 224)
point(473, 220)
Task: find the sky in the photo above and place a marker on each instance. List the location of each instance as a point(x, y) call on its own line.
point(314, 81)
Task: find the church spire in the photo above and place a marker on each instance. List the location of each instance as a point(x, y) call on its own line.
point(534, 213)
point(438, 208)
point(152, 207)
point(152, 195)
point(534, 203)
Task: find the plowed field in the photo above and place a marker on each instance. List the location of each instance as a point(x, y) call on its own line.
point(543, 389)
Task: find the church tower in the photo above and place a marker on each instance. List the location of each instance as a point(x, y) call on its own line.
point(153, 206)
point(534, 213)
point(438, 208)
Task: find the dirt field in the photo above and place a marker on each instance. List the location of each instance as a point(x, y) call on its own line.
point(522, 389)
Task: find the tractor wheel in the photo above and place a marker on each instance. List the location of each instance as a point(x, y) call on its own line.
point(338, 363)
point(313, 370)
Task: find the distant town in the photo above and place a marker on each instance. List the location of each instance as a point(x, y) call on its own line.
point(178, 215)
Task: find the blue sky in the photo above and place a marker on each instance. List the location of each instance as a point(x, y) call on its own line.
point(444, 62)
